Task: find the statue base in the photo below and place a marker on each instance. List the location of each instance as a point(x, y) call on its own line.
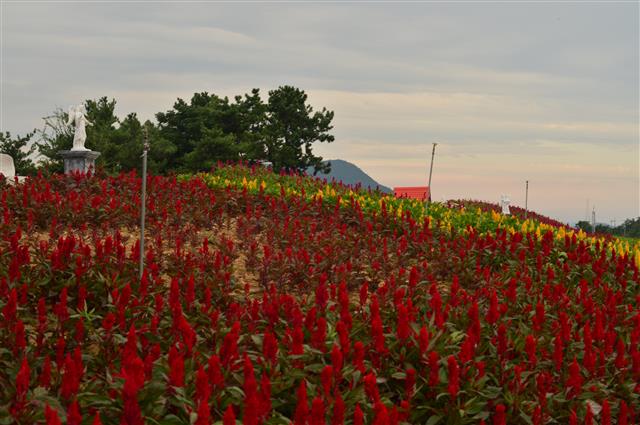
point(79, 161)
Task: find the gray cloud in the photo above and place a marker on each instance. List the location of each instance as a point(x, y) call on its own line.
point(510, 90)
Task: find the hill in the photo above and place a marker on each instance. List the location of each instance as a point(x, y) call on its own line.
point(350, 174)
point(277, 298)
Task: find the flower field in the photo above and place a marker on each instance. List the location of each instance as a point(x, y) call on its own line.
point(274, 299)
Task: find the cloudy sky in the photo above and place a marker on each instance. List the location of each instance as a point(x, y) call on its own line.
point(540, 91)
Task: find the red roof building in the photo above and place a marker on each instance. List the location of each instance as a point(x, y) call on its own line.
point(421, 193)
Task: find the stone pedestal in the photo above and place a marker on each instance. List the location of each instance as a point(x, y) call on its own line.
point(79, 161)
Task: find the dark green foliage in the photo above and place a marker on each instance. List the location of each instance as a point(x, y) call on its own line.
point(18, 149)
point(194, 136)
point(55, 136)
point(629, 228)
point(291, 129)
point(585, 226)
point(201, 131)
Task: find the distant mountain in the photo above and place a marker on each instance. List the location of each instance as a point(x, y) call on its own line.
point(350, 174)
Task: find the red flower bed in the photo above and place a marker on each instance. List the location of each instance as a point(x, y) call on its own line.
point(267, 309)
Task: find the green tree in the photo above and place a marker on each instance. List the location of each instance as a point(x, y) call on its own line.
point(199, 128)
point(291, 129)
point(102, 134)
point(248, 124)
point(630, 228)
point(19, 149)
point(55, 136)
point(585, 226)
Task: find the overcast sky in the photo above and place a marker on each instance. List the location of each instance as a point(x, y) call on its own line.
point(545, 92)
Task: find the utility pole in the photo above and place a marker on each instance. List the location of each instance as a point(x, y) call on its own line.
point(586, 211)
point(526, 200)
point(433, 153)
point(143, 197)
point(593, 219)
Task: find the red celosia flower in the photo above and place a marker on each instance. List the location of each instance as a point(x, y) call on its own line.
point(371, 387)
point(45, 375)
point(536, 417)
point(320, 334)
point(337, 361)
point(133, 372)
point(229, 348)
point(623, 415)
point(176, 367)
point(188, 334)
point(96, 419)
point(588, 418)
point(558, 353)
point(493, 315)
point(203, 388)
point(20, 337)
point(434, 369)
point(131, 414)
point(358, 416)
point(321, 293)
point(539, 317)
point(500, 418)
point(51, 416)
point(73, 414)
point(22, 380)
point(326, 377)
point(269, 346)
point(70, 378)
point(79, 335)
point(338, 410)
point(620, 361)
point(250, 387)
point(61, 308)
point(573, 418)
point(606, 413)
point(474, 319)
point(530, 346)
point(423, 339)
point(302, 408)
point(10, 308)
point(343, 335)
point(215, 372)
point(297, 347)
point(265, 395)
point(575, 378)
point(403, 328)
point(229, 417)
point(454, 385)
point(317, 412)
point(381, 414)
point(410, 382)
point(204, 416)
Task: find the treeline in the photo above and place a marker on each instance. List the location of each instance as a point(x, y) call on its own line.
point(192, 136)
point(629, 228)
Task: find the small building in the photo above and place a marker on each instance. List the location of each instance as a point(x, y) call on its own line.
point(421, 193)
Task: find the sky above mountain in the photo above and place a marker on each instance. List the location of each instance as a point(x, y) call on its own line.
point(538, 91)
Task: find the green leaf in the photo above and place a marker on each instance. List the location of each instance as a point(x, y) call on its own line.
point(433, 420)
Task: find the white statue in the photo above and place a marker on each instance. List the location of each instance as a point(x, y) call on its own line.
point(504, 204)
point(7, 168)
point(76, 115)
